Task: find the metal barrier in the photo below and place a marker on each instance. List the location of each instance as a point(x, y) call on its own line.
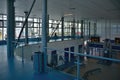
point(78, 77)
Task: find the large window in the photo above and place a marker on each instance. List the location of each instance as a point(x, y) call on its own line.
point(115, 30)
point(1, 23)
point(18, 18)
point(0, 33)
point(4, 17)
point(35, 27)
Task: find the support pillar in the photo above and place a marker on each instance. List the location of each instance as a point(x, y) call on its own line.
point(77, 28)
point(48, 28)
point(26, 29)
point(39, 29)
point(62, 28)
point(3, 29)
point(10, 28)
point(73, 29)
point(44, 34)
point(81, 28)
point(95, 29)
point(89, 30)
point(84, 29)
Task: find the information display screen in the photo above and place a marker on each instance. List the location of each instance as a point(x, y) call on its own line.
point(117, 40)
point(95, 39)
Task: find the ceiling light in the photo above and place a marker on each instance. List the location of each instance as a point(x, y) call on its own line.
point(69, 14)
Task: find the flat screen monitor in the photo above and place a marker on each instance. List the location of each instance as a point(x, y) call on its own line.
point(117, 40)
point(95, 39)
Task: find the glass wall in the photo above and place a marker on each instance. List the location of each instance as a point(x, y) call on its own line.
point(35, 27)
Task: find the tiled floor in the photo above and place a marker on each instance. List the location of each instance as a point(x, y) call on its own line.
point(14, 69)
point(108, 72)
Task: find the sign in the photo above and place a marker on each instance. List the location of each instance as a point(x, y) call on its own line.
point(95, 39)
point(117, 40)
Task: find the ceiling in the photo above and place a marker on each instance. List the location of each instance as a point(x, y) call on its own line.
point(90, 9)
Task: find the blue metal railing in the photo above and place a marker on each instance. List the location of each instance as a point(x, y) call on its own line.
point(90, 56)
point(3, 42)
point(81, 54)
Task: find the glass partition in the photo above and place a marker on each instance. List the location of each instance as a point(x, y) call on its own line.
point(35, 27)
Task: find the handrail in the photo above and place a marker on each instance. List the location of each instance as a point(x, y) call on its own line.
point(81, 54)
point(25, 21)
point(78, 61)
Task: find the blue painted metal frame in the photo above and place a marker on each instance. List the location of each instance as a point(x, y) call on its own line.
point(82, 28)
point(81, 54)
point(44, 33)
point(26, 29)
point(116, 47)
point(10, 28)
point(96, 45)
point(62, 28)
point(3, 42)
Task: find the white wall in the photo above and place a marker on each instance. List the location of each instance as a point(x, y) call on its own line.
point(108, 28)
point(59, 45)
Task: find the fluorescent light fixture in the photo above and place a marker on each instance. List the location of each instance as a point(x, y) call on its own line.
point(69, 14)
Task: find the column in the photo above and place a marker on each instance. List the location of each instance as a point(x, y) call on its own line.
point(77, 29)
point(73, 29)
point(39, 28)
point(44, 34)
point(84, 29)
point(26, 29)
point(3, 29)
point(81, 28)
point(89, 31)
point(95, 29)
point(47, 28)
point(62, 28)
point(10, 28)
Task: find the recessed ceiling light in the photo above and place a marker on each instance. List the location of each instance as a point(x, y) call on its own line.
point(69, 14)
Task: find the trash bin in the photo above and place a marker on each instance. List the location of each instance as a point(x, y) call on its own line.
point(38, 62)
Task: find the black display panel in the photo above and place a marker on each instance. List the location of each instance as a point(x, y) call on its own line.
point(95, 39)
point(117, 40)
